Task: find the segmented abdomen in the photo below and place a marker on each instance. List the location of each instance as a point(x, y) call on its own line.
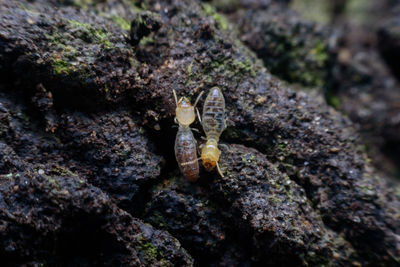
point(186, 153)
point(213, 120)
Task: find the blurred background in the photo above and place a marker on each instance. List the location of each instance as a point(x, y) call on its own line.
point(346, 50)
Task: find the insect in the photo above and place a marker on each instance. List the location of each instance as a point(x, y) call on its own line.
point(185, 144)
point(214, 124)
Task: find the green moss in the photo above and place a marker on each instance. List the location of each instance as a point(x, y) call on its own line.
point(90, 34)
point(367, 189)
point(189, 69)
point(232, 133)
point(313, 10)
point(150, 253)
point(150, 250)
point(24, 7)
point(320, 53)
point(137, 6)
point(146, 40)
point(189, 72)
point(249, 159)
point(220, 20)
point(245, 66)
point(312, 75)
point(84, 3)
point(55, 38)
point(332, 99)
point(61, 67)
point(53, 182)
point(65, 54)
point(283, 150)
point(157, 220)
point(61, 171)
point(231, 67)
point(122, 23)
point(274, 200)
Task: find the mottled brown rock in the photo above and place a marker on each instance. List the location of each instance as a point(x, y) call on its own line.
point(341, 60)
point(106, 85)
point(52, 220)
point(255, 209)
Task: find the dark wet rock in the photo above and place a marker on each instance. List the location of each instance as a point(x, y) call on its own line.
point(142, 25)
point(108, 149)
point(111, 151)
point(183, 211)
point(341, 60)
point(255, 209)
point(9, 161)
point(77, 55)
point(43, 101)
point(309, 172)
point(294, 49)
point(366, 90)
point(48, 220)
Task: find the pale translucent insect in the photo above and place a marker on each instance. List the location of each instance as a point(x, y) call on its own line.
point(185, 144)
point(214, 124)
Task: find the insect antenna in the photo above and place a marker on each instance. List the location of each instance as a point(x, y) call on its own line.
point(175, 97)
point(219, 171)
point(198, 98)
point(198, 114)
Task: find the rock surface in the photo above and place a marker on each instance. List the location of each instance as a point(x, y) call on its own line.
point(342, 60)
point(87, 148)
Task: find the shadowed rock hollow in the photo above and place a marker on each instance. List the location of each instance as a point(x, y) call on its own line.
point(88, 175)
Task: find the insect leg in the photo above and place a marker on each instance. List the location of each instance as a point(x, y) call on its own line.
point(199, 149)
point(198, 114)
point(219, 171)
point(201, 146)
point(189, 162)
point(175, 97)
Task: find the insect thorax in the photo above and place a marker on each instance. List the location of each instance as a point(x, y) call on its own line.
point(185, 116)
point(210, 153)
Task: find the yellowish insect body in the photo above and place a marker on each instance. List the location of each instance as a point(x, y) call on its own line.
point(185, 112)
point(210, 154)
point(213, 123)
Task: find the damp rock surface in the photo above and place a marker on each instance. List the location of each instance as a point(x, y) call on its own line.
point(351, 61)
point(88, 175)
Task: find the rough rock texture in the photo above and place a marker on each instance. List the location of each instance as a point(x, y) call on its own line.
point(292, 48)
point(48, 220)
point(370, 95)
point(343, 61)
point(109, 148)
point(50, 214)
point(86, 113)
point(265, 215)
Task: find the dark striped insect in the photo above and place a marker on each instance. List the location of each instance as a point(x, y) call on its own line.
point(213, 122)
